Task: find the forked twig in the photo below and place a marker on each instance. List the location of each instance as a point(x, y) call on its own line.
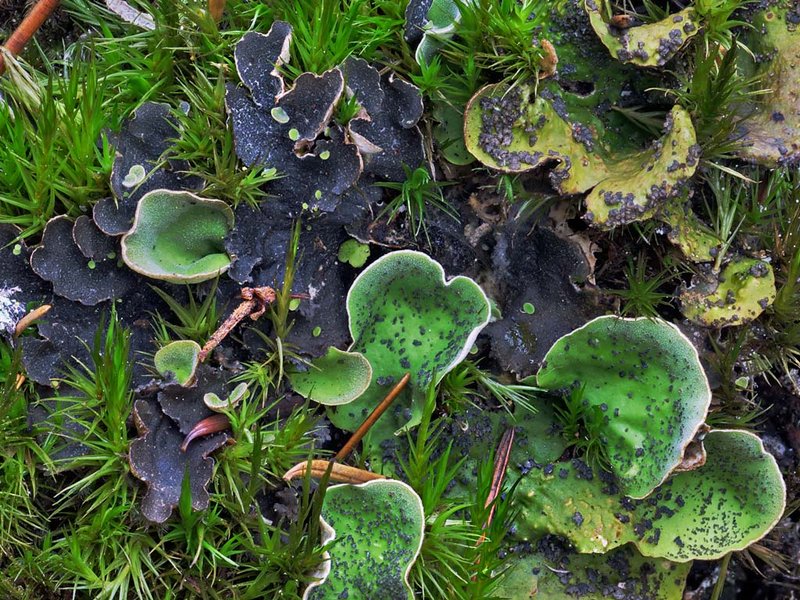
point(254, 304)
point(373, 416)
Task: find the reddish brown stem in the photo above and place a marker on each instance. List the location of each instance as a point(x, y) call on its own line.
point(209, 425)
point(215, 9)
point(373, 416)
point(25, 31)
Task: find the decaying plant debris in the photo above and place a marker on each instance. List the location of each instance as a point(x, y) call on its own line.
point(438, 298)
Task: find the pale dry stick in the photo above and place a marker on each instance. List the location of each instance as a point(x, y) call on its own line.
point(339, 473)
point(373, 416)
point(27, 28)
point(343, 473)
point(27, 320)
point(22, 325)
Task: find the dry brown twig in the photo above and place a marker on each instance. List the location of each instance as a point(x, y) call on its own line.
point(498, 475)
point(254, 304)
point(343, 473)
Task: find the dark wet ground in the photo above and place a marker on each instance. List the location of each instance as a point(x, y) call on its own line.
point(780, 429)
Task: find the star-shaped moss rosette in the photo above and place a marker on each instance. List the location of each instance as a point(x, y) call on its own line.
point(385, 129)
point(290, 130)
point(771, 135)
point(730, 502)
point(506, 129)
point(737, 295)
point(648, 45)
point(553, 571)
point(644, 394)
point(138, 168)
point(378, 533)
point(81, 262)
point(178, 237)
point(405, 317)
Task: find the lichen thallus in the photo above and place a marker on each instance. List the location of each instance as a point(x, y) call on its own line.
point(254, 304)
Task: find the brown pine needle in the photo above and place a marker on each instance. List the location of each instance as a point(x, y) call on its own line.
point(373, 416)
point(499, 474)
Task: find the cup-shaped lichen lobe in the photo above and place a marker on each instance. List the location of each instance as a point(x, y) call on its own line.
point(406, 317)
point(731, 501)
point(178, 237)
point(380, 527)
point(645, 379)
